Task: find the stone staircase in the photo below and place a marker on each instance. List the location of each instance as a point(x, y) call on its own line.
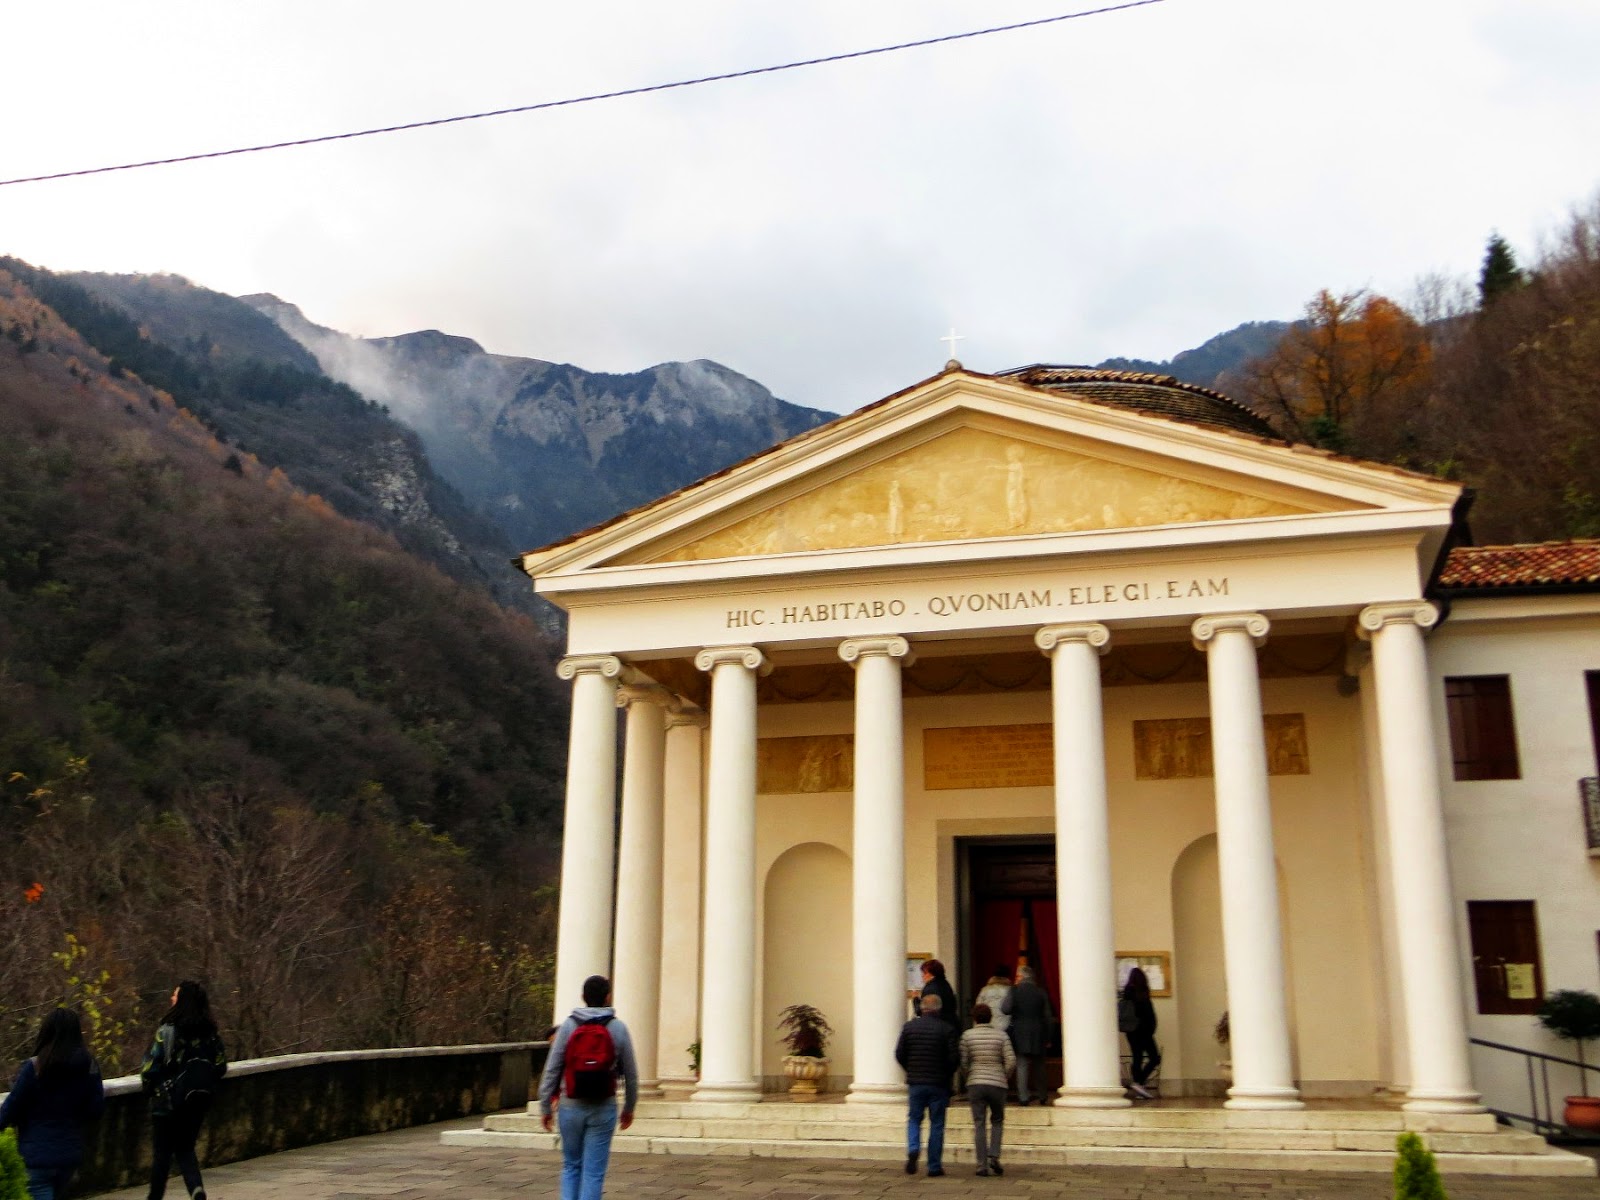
point(1165, 1134)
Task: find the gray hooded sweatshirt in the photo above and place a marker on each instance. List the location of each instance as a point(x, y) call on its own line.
point(627, 1066)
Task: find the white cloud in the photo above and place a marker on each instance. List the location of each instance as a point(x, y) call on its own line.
point(1124, 184)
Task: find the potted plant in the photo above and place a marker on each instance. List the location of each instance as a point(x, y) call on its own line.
point(1223, 1033)
point(1574, 1016)
point(805, 1032)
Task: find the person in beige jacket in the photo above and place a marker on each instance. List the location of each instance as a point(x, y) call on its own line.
point(988, 1059)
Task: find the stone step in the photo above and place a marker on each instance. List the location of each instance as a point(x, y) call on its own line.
point(1143, 1116)
point(1548, 1162)
point(794, 1128)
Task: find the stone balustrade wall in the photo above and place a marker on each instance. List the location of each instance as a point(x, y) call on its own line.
point(270, 1104)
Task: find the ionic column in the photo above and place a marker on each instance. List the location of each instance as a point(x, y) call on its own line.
point(636, 979)
point(1090, 1044)
point(1252, 934)
point(680, 908)
point(878, 867)
point(1430, 959)
point(583, 930)
point(727, 998)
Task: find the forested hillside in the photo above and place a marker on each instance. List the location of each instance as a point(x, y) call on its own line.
point(245, 738)
point(254, 388)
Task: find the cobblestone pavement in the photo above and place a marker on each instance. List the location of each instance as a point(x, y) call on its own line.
point(411, 1165)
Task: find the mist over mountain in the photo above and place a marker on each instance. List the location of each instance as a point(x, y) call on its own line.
point(545, 449)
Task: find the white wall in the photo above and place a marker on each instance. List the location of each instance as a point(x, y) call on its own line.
point(1523, 839)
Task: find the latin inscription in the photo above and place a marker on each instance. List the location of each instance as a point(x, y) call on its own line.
point(987, 756)
point(1111, 593)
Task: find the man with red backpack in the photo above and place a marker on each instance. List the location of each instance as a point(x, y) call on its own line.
point(590, 1050)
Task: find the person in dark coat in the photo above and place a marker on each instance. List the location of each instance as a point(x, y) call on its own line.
point(1032, 1018)
point(929, 1050)
point(187, 1034)
point(934, 983)
point(1144, 1057)
point(56, 1093)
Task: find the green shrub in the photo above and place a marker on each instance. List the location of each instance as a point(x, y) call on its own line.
point(13, 1175)
point(1416, 1175)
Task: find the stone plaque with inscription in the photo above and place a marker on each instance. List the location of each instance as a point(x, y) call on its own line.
point(987, 756)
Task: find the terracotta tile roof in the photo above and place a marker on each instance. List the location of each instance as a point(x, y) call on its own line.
point(1547, 566)
point(1159, 395)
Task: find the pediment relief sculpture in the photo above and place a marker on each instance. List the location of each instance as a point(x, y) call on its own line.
point(975, 483)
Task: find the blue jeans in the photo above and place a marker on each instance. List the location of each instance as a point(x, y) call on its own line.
point(49, 1183)
point(586, 1131)
point(929, 1098)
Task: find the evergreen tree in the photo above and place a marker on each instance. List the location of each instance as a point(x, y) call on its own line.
point(1500, 273)
point(13, 1174)
point(1416, 1174)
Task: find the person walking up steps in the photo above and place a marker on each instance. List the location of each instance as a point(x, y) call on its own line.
point(988, 1060)
point(591, 1049)
point(1136, 1016)
point(929, 1051)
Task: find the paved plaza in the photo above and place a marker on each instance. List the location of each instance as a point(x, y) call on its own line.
point(412, 1165)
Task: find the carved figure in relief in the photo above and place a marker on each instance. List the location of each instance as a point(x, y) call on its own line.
point(1016, 488)
point(897, 516)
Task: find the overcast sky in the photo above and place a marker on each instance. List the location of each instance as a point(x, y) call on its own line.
point(1124, 184)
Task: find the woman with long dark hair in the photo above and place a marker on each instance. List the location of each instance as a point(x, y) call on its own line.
point(1143, 1055)
point(180, 1074)
point(56, 1093)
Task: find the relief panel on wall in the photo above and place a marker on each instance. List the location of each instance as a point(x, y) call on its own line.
point(815, 763)
point(1180, 747)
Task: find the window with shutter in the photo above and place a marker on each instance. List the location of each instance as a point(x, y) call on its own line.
point(1483, 733)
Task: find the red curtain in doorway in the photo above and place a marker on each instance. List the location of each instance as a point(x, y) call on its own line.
point(995, 941)
point(1047, 934)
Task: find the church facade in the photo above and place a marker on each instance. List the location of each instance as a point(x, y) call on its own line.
point(1085, 670)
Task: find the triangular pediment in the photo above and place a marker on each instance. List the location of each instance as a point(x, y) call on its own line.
point(971, 482)
point(964, 459)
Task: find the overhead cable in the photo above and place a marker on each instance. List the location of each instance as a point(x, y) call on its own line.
point(589, 99)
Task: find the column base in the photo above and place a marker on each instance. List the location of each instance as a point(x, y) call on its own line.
point(1093, 1097)
point(733, 1092)
point(1263, 1099)
point(650, 1089)
point(1440, 1100)
point(876, 1093)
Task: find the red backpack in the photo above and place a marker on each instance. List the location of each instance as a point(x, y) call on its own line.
point(589, 1068)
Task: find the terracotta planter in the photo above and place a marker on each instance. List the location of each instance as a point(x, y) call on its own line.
point(808, 1074)
point(1583, 1112)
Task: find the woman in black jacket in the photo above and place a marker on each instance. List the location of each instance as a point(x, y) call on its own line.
point(57, 1091)
point(1143, 1055)
point(180, 1072)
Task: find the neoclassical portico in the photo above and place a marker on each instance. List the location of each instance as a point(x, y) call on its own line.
point(760, 599)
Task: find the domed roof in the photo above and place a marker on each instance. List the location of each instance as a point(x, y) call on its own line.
point(1158, 395)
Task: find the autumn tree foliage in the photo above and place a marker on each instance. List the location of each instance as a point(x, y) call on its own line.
point(1347, 376)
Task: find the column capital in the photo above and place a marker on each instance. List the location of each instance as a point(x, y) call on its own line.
point(853, 649)
point(1207, 627)
point(630, 694)
point(1089, 633)
point(607, 665)
point(681, 713)
point(1374, 617)
point(748, 657)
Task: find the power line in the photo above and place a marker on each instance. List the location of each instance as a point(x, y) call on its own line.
point(638, 91)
